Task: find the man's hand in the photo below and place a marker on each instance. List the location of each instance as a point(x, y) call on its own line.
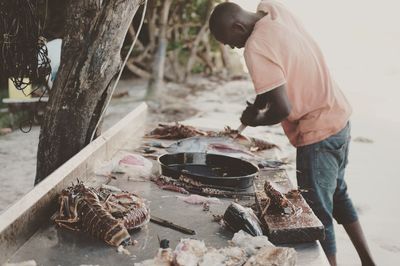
point(250, 116)
point(269, 108)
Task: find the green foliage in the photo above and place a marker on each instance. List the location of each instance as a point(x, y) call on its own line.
point(198, 68)
point(174, 44)
point(4, 120)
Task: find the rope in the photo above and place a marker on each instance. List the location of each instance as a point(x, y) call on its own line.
point(120, 72)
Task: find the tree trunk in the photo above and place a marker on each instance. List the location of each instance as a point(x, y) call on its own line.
point(156, 81)
point(94, 34)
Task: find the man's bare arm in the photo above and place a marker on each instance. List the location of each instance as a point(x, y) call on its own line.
point(277, 108)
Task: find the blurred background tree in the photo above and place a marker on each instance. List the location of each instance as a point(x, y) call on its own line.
point(174, 43)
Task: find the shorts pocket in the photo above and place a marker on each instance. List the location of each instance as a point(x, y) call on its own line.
point(330, 155)
point(327, 178)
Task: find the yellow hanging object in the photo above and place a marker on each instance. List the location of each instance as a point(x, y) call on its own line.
point(13, 93)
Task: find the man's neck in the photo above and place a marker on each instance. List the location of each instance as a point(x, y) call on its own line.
point(255, 17)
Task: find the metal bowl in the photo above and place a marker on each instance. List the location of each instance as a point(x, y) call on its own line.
point(220, 171)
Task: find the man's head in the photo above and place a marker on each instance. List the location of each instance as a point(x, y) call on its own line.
point(232, 25)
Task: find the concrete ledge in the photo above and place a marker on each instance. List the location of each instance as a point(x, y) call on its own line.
point(19, 222)
point(27, 100)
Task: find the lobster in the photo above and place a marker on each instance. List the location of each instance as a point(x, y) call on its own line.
point(104, 213)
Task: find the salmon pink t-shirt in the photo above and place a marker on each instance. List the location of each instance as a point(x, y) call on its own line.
point(280, 51)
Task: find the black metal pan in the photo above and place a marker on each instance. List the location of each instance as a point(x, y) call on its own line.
point(211, 169)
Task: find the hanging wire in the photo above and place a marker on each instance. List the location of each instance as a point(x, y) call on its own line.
point(23, 52)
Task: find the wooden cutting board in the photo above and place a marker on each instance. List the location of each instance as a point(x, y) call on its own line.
point(303, 226)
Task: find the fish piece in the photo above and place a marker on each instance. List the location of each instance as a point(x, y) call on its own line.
point(237, 218)
point(131, 164)
point(214, 144)
point(226, 149)
point(134, 165)
point(197, 199)
point(271, 164)
point(132, 160)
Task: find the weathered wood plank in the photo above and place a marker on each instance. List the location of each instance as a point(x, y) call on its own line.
point(303, 226)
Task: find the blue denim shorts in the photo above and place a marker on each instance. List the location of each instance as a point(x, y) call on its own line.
point(320, 172)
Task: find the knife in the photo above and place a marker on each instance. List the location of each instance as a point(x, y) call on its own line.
point(241, 128)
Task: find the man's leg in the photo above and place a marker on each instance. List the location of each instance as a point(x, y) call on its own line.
point(345, 214)
point(317, 173)
point(357, 237)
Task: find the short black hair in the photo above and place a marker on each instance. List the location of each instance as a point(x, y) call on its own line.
point(222, 15)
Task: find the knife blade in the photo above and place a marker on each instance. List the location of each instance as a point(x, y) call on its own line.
point(241, 128)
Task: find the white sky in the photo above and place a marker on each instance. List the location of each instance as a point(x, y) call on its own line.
point(361, 41)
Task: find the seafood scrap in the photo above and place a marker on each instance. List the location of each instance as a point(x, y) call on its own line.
point(238, 218)
point(197, 187)
point(250, 244)
point(128, 207)
point(105, 214)
point(186, 185)
point(260, 145)
point(170, 184)
point(232, 256)
point(254, 144)
point(273, 256)
point(227, 149)
point(197, 199)
point(195, 253)
point(279, 202)
point(189, 252)
point(132, 165)
point(227, 132)
point(272, 164)
point(176, 131)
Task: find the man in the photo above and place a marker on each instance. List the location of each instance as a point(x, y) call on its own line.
point(294, 88)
